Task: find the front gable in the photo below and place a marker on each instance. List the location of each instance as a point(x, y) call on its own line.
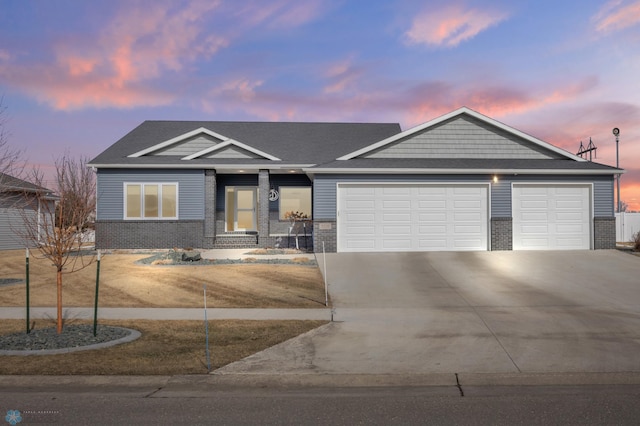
point(463, 133)
point(203, 143)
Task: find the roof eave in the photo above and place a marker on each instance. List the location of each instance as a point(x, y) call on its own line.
point(473, 171)
point(200, 166)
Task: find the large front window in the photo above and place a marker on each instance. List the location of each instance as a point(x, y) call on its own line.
point(295, 200)
point(151, 201)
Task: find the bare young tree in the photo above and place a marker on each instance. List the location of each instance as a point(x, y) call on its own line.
point(57, 228)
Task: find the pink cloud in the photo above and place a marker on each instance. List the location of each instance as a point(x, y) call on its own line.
point(617, 15)
point(278, 13)
point(117, 68)
point(341, 76)
point(451, 25)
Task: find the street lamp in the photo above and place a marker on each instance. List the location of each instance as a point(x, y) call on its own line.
point(616, 133)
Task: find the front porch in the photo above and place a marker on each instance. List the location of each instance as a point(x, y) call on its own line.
point(248, 210)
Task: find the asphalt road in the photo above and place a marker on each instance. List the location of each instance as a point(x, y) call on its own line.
point(433, 405)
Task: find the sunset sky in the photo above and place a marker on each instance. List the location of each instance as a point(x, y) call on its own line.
point(78, 75)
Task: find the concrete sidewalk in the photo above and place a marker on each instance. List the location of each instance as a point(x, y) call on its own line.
point(172, 313)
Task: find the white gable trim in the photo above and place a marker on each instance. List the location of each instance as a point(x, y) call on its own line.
point(177, 139)
point(227, 143)
point(460, 111)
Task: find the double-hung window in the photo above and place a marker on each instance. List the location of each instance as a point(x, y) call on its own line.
point(151, 201)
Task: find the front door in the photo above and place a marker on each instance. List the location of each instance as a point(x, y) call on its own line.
point(241, 208)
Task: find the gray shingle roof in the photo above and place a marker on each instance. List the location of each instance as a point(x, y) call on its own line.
point(299, 143)
point(317, 144)
point(13, 184)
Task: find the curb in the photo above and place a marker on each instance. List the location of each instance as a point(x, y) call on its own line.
point(133, 335)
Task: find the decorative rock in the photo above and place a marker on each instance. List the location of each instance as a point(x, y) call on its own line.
point(191, 257)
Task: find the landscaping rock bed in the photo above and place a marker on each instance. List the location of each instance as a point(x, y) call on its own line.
point(72, 336)
point(10, 281)
point(178, 257)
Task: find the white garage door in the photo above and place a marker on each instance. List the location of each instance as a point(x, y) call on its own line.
point(406, 217)
point(551, 217)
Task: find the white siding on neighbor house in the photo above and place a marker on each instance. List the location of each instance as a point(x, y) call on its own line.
point(11, 224)
point(111, 197)
point(383, 217)
point(189, 146)
point(463, 137)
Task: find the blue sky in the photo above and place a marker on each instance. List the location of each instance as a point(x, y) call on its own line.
point(78, 75)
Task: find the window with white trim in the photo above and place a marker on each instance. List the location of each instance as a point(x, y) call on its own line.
point(151, 201)
point(295, 200)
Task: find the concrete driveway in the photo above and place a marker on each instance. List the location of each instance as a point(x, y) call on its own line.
point(471, 312)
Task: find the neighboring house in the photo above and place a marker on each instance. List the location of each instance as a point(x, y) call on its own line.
point(17, 204)
point(460, 182)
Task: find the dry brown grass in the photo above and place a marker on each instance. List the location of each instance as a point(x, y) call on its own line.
point(123, 283)
point(165, 348)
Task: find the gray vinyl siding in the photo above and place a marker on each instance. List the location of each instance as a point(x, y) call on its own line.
point(110, 183)
point(463, 137)
point(188, 147)
point(325, 193)
point(233, 152)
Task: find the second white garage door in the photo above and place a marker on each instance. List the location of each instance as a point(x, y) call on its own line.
point(551, 217)
point(409, 217)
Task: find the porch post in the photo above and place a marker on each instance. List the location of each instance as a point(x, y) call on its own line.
point(263, 208)
point(209, 208)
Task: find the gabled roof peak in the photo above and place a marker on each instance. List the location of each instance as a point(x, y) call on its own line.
point(457, 113)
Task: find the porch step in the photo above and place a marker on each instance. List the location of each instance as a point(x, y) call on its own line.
point(236, 240)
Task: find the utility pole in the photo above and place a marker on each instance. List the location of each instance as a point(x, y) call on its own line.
point(616, 133)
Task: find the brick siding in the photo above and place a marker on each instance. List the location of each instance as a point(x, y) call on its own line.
point(604, 233)
point(501, 233)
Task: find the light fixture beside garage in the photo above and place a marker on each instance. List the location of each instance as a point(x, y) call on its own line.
point(495, 178)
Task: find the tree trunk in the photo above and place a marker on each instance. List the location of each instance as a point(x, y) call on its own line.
point(59, 287)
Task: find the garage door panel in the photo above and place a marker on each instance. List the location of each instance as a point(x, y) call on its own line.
point(432, 244)
point(534, 229)
point(432, 217)
point(432, 204)
point(467, 244)
point(410, 217)
point(431, 191)
point(560, 221)
point(396, 230)
point(354, 204)
point(534, 204)
point(396, 244)
point(360, 217)
point(535, 216)
point(396, 204)
point(467, 204)
point(432, 230)
point(569, 204)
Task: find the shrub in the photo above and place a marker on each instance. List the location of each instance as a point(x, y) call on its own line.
point(635, 239)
